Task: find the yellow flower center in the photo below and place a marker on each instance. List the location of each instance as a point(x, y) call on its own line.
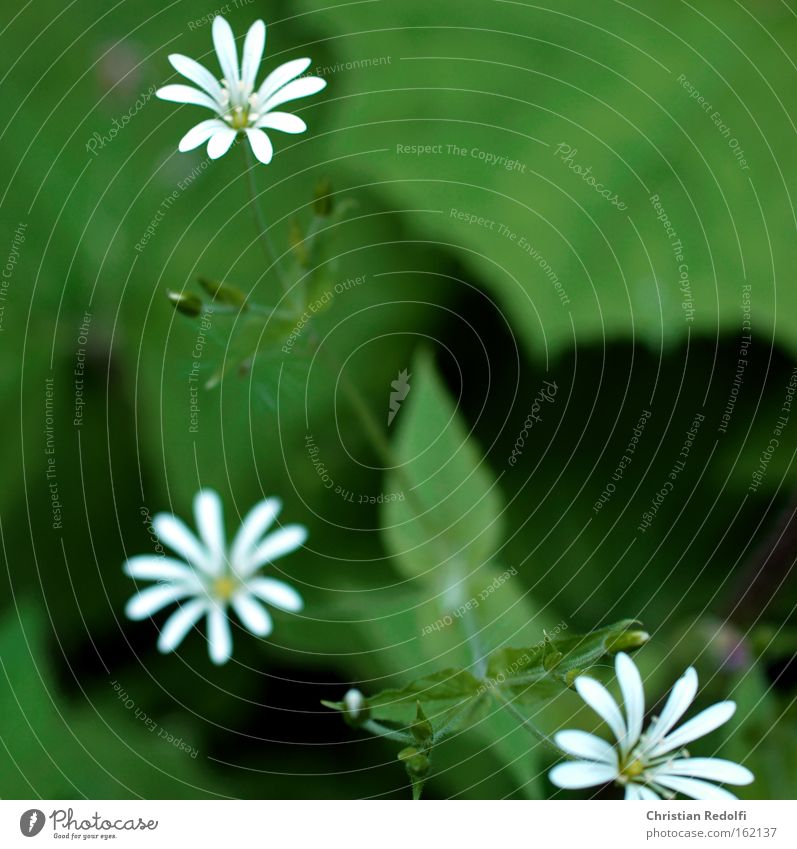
point(633, 769)
point(240, 118)
point(224, 587)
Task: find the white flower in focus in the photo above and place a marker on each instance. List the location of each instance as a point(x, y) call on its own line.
point(653, 764)
point(239, 106)
point(211, 578)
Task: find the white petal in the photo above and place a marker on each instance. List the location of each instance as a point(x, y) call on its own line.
point(578, 774)
point(632, 793)
point(261, 145)
point(174, 533)
point(275, 545)
point(282, 121)
point(580, 744)
point(252, 613)
point(209, 516)
point(253, 52)
point(255, 524)
point(277, 593)
point(293, 91)
point(682, 695)
point(647, 794)
point(694, 788)
point(149, 567)
point(713, 769)
point(633, 698)
point(152, 599)
point(186, 94)
point(180, 623)
point(220, 142)
point(219, 636)
point(704, 723)
point(224, 42)
point(198, 74)
point(601, 701)
point(200, 134)
point(280, 76)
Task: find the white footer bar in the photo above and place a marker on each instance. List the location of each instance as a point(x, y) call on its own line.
point(397, 825)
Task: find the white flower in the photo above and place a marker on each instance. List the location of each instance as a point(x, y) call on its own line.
point(212, 577)
point(653, 764)
point(240, 108)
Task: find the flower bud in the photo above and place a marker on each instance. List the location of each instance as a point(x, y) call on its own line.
point(224, 293)
point(187, 304)
point(322, 200)
point(551, 659)
point(628, 641)
point(297, 243)
point(416, 762)
point(422, 729)
point(355, 710)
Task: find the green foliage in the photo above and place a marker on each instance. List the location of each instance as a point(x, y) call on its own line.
point(432, 708)
point(344, 203)
point(470, 134)
point(102, 746)
point(450, 522)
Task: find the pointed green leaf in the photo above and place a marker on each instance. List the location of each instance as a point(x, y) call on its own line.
point(450, 521)
point(542, 671)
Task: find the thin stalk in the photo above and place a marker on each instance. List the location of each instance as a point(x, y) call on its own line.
point(260, 221)
point(464, 711)
point(524, 722)
point(477, 653)
point(372, 430)
point(376, 728)
point(250, 307)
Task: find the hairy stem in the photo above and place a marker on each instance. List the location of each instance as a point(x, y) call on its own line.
point(525, 722)
point(376, 728)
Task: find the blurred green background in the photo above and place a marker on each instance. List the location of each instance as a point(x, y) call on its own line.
point(693, 107)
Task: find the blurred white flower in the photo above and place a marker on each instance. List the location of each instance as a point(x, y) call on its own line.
point(239, 107)
point(353, 699)
point(653, 764)
point(211, 577)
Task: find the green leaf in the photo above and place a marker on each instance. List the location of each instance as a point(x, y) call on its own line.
point(449, 523)
point(437, 693)
point(544, 670)
point(620, 89)
point(422, 729)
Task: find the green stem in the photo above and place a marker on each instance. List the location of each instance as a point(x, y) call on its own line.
point(524, 722)
point(376, 728)
point(255, 309)
point(477, 653)
point(260, 221)
point(468, 708)
point(372, 430)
